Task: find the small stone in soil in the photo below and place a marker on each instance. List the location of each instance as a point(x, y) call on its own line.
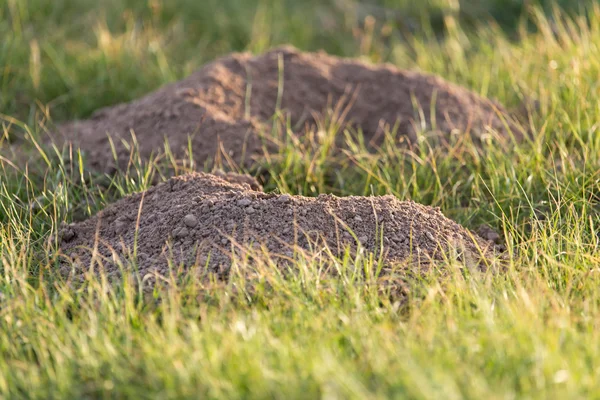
point(190, 220)
point(284, 198)
point(181, 233)
point(244, 202)
point(67, 234)
point(487, 232)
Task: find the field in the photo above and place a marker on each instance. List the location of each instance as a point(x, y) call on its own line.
point(530, 331)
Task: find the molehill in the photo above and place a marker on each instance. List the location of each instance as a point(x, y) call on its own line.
point(226, 106)
point(201, 220)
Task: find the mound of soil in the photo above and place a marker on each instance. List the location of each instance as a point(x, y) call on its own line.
point(201, 219)
point(229, 102)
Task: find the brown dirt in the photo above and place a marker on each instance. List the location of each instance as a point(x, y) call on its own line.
point(230, 101)
point(488, 233)
point(198, 219)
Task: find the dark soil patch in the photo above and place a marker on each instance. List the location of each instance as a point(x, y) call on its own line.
point(201, 219)
point(225, 106)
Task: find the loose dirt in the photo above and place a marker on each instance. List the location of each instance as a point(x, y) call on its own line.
point(226, 106)
point(202, 220)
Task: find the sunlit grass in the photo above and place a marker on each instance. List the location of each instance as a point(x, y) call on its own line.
point(531, 331)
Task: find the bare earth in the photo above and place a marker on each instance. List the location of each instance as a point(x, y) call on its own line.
point(200, 219)
point(230, 102)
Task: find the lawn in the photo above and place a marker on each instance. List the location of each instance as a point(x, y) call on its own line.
point(530, 331)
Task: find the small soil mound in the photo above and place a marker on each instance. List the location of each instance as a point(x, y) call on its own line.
point(201, 219)
point(225, 106)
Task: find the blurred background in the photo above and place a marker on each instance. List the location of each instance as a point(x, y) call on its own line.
point(81, 55)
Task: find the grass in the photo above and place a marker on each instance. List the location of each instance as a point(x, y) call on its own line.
point(531, 332)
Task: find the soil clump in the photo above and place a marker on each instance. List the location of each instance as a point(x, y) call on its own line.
point(227, 107)
point(202, 220)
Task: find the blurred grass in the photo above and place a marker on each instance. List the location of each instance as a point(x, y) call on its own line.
point(75, 57)
point(530, 332)
point(507, 14)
